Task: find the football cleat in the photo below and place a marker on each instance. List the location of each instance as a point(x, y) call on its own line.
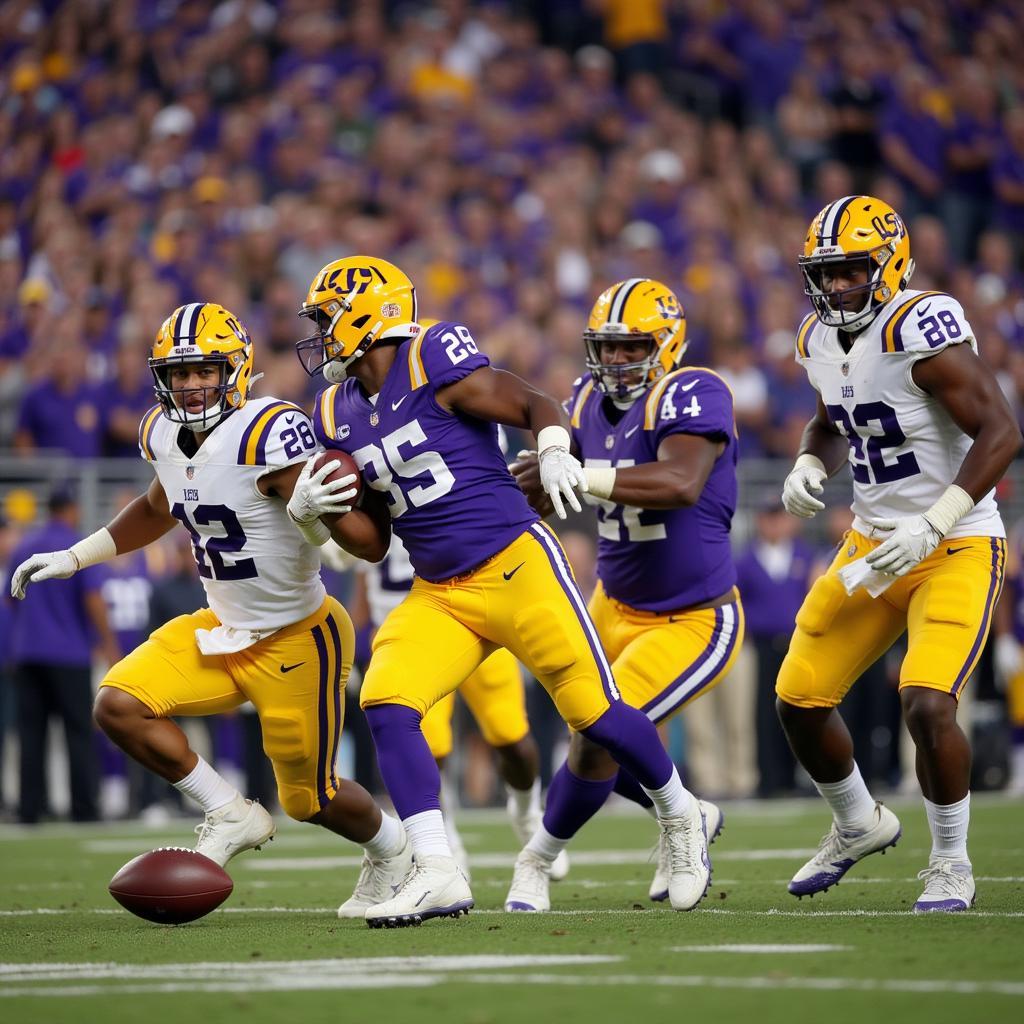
point(234, 828)
point(838, 852)
point(948, 888)
point(378, 881)
point(689, 874)
point(525, 827)
point(458, 847)
point(434, 888)
point(529, 890)
point(713, 821)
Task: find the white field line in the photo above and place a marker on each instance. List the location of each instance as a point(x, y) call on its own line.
point(648, 908)
point(764, 947)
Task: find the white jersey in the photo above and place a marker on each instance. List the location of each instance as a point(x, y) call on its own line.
point(905, 448)
point(259, 573)
point(387, 581)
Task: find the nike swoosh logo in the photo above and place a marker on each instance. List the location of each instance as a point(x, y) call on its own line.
point(288, 668)
point(921, 310)
point(422, 898)
point(395, 405)
point(630, 433)
point(692, 384)
point(509, 575)
point(290, 419)
point(953, 551)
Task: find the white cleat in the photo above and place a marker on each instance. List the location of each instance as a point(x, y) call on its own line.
point(689, 875)
point(837, 853)
point(234, 828)
point(530, 879)
point(713, 821)
point(948, 888)
point(434, 888)
point(379, 880)
point(458, 847)
point(525, 827)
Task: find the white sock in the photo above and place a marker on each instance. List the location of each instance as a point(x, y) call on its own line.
point(673, 800)
point(852, 805)
point(524, 802)
point(427, 834)
point(948, 824)
point(545, 845)
point(389, 839)
point(210, 790)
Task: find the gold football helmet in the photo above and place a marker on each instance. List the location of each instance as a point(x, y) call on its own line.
point(202, 332)
point(857, 236)
point(354, 303)
point(638, 307)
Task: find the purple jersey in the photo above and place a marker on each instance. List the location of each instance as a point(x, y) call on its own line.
point(452, 499)
point(662, 560)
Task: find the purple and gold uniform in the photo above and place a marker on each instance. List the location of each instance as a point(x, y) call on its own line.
point(656, 566)
point(488, 573)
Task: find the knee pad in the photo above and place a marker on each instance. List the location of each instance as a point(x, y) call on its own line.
point(285, 737)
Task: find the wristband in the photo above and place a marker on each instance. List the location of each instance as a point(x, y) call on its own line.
point(954, 504)
point(808, 461)
point(317, 532)
point(97, 547)
point(553, 437)
point(600, 481)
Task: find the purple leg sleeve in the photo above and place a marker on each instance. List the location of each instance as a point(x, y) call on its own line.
point(572, 802)
point(632, 739)
point(406, 765)
point(627, 786)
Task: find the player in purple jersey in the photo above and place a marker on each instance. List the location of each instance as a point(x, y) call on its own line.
point(659, 446)
point(418, 409)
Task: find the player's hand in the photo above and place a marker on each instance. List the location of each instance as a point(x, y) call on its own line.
point(560, 475)
point(526, 470)
point(314, 496)
point(47, 565)
point(799, 489)
point(1007, 659)
point(911, 540)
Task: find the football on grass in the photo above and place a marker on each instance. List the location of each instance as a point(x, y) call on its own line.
point(171, 885)
point(348, 465)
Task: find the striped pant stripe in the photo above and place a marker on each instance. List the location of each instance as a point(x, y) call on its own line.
point(563, 573)
point(703, 670)
point(336, 693)
point(321, 756)
point(995, 586)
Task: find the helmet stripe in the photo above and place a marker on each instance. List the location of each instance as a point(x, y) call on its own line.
point(185, 328)
point(831, 221)
point(619, 302)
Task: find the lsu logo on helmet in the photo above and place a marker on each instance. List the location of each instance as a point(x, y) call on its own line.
point(859, 238)
point(354, 303)
point(202, 332)
point(637, 308)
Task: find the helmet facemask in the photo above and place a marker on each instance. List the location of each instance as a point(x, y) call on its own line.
point(216, 403)
point(623, 383)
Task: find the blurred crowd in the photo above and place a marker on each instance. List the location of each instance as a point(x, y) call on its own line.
point(514, 157)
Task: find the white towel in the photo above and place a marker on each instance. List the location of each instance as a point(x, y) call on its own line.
point(228, 640)
point(859, 574)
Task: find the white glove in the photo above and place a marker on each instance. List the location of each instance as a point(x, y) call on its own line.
point(1006, 656)
point(560, 473)
point(48, 565)
point(912, 539)
point(313, 496)
point(804, 478)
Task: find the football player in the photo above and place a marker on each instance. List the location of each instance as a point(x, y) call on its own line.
point(659, 445)
point(904, 399)
point(233, 471)
point(418, 409)
point(494, 694)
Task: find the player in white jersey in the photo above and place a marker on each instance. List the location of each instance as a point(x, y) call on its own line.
point(494, 694)
point(904, 399)
point(234, 472)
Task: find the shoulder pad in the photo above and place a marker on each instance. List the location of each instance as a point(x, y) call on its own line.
point(582, 390)
point(668, 396)
point(146, 427)
point(803, 335)
point(926, 322)
point(324, 420)
point(277, 435)
point(442, 354)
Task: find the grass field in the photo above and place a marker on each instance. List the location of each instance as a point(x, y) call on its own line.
point(277, 952)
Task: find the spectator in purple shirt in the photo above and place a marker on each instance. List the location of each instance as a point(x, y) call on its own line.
point(1008, 177)
point(52, 634)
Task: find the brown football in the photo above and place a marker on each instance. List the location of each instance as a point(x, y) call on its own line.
point(348, 465)
point(171, 885)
